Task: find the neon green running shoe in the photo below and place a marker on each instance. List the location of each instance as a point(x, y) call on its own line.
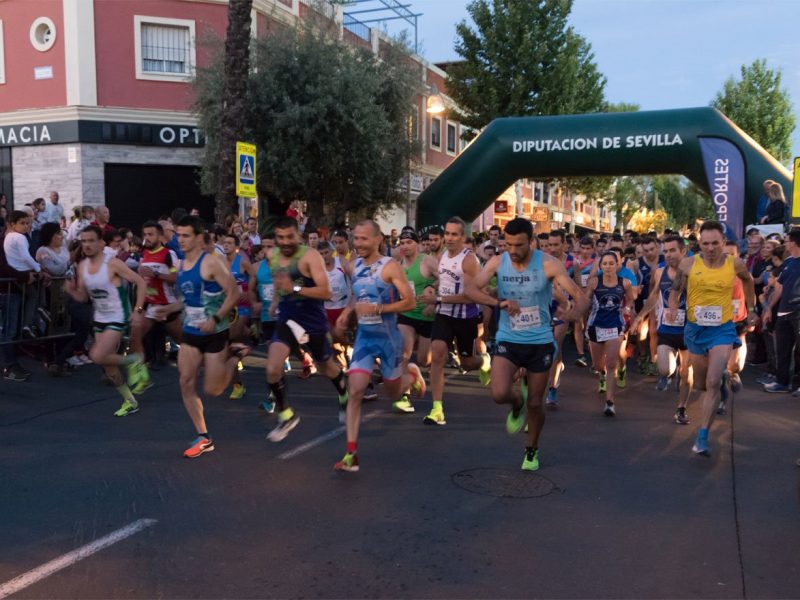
point(601, 387)
point(531, 460)
point(238, 391)
point(435, 417)
point(127, 408)
point(133, 374)
point(622, 377)
point(143, 381)
point(349, 463)
point(403, 405)
point(515, 422)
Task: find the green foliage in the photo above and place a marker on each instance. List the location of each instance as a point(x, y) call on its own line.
point(330, 120)
point(683, 201)
point(522, 59)
point(761, 107)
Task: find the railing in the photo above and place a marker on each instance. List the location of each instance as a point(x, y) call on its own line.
point(323, 6)
point(33, 312)
point(356, 27)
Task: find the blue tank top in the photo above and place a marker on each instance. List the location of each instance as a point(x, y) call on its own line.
point(647, 274)
point(201, 299)
point(664, 287)
point(306, 312)
point(265, 290)
point(607, 304)
point(369, 287)
point(236, 271)
point(534, 293)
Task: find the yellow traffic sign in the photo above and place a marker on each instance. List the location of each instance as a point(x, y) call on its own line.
point(796, 189)
point(246, 170)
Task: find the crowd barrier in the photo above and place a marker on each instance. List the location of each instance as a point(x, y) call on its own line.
point(33, 312)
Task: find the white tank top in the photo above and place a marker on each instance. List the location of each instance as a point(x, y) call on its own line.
point(110, 302)
point(451, 283)
point(340, 288)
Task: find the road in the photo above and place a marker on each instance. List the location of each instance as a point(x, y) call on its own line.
point(630, 513)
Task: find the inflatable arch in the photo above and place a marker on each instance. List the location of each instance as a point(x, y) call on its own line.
point(699, 143)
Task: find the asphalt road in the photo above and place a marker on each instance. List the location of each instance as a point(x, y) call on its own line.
point(630, 513)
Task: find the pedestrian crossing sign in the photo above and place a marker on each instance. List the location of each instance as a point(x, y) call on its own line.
point(246, 170)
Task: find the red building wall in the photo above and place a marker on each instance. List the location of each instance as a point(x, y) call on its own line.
point(21, 90)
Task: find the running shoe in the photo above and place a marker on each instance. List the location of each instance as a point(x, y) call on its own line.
point(74, 361)
point(268, 405)
point(701, 444)
point(349, 463)
point(238, 391)
point(680, 417)
point(403, 405)
point(765, 379)
point(453, 361)
point(663, 383)
point(143, 382)
point(283, 428)
point(721, 407)
point(601, 386)
point(133, 374)
point(309, 369)
point(622, 377)
point(370, 393)
point(736, 382)
point(652, 370)
point(552, 399)
point(609, 410)
point(240, 366)
point(287, 366)
point(127, 408)
point(418, 387)
point(485, 372)
point(581, 361)
point(776, 388)
point(531, 460)
point(84, 358)
point(515, 420)
point(200, 445)
point(435, 417)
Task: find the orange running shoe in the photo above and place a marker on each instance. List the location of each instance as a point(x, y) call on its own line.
point(199, 446)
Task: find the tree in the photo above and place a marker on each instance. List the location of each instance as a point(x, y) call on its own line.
point(682, 201)
point(522, 59)
point(233, 113)
point(761, 107)
point(330, 120)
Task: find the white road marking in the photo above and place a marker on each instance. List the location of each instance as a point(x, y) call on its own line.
point(325, 437)
point(70, 558)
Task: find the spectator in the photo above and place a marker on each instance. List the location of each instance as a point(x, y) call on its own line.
point(52, 255)
point(169, 238)
point(763, 201)
point(252, 232)
point(776, 209)
point(3, 217)
point(113, 241)
point(16, 245)
point(53, 212)
point(10, 308)
point(81, 219)
point(102, 218)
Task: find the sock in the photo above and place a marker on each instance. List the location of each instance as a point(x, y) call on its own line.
point(205, 435)
point(530, 449)
point(340, 383)
point(285, 415)
point(126, 393)
point(487, 362)
point(132, 358)
point(278, 390)
point(351, 447)
point(703, 432)
point(437, 405)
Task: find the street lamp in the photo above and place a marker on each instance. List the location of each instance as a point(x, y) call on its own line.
point(435, 102)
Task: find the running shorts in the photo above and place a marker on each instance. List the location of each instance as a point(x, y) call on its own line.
point(369, 347)
point(207, 344)
point(320, 345)
point(672, 340)
point(463, 331)
point(535, 358)
point(700, 339)
point(420, 327)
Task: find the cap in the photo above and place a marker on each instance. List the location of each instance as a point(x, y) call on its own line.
point(409, 234)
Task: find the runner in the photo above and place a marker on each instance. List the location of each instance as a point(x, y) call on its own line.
point(377, 282)
point(583, 268)
point(671, 346)
point(209, 296)
point(340, 273)
point(240, 267)
point(710, 332)
point(739, 353)
point(556, 244)
point(606, 325)
point(100, 279)
point(524, 337)
point(301, 283)
point(262, 291)
point(456, 317)
point(415, 325)
point(646, 265)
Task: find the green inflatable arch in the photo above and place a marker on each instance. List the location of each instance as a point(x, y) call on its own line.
point(607, 144)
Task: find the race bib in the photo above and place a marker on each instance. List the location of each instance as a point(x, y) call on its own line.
point(584, 279)
point(737, 304)
point(267, 292)
point(678, 321)
point(446, 290)
point(528, 318)
point(708, 316)
point(370, 319)
point(603, 334)
point(103, 305)
point(195, 317)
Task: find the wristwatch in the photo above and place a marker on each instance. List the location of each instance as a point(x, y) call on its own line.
point(139, 309)
point(296, 289)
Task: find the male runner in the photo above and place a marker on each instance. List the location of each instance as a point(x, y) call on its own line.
point(99, 279)
point(301, 284)
point(240, 268)
point(377, 282)
point(710, 332)
point(671, 345)
point(340, 273)
point(646, 265)
point(209, 294)
point(436, 242)
point(556, 244)
point(524, 337)
point(583, 268)
point(456, 316)
point(415, 325)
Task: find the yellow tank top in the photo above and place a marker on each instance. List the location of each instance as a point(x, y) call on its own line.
point(709, 298)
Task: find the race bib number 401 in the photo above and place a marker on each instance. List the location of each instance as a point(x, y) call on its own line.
point(527, 318)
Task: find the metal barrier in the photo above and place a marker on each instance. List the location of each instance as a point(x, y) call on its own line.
point(33, 312)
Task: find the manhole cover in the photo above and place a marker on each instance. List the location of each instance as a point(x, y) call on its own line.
point(504, 483)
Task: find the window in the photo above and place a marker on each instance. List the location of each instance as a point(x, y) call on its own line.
point(43, 34)
point(462, 143)
point(452, 141)
point(2, 56)
point(436, 133)
point(165, 48)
